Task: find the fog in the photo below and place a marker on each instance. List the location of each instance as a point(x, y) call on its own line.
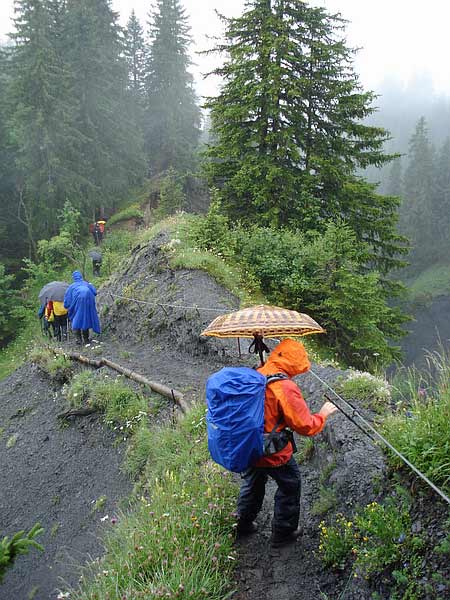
point(399, 39)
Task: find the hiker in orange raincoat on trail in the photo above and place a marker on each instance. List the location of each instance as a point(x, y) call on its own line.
point(284, 404)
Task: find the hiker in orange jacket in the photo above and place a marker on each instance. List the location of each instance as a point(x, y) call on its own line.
point(284, 404)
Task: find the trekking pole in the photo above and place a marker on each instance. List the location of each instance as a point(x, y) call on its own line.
point(381, 438)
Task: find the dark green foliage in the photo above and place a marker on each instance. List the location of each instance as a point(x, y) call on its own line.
point(288, 128)
point(172, 197)
point(213, 231)
point(20, 543)
point(8, 300)
point(64, 249)
point(172, 117)
point(417, 213)
point(66, 126)
point(320, 274)
point(41, 117)
point(12, 233)
point(112, 145)
point(135, 54)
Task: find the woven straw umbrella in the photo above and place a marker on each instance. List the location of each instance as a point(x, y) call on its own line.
point(259, 321)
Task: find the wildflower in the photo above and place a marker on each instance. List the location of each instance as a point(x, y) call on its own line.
point(105, 518)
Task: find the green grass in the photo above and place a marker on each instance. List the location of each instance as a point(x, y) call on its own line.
point(56, 366)
point(130, 212)
point(16, 353)
point(371, 391)
point(183, 254)
point(177, 539)
point(326, 501)
point(420, 427)
point(430, 283)
point(79, 389)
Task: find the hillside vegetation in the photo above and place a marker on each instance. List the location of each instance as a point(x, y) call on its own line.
point(262, 198)
point(177, 538)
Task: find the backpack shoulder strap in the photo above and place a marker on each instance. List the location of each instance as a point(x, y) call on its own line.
point(271, 379)
point(276, 377)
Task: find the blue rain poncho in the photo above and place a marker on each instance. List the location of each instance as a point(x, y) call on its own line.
point(79, 299)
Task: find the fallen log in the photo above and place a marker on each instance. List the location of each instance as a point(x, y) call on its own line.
point(159, 388)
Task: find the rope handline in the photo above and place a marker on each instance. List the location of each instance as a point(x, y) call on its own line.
point(350, 418)
point(382, 439)
point(217, 310)
point(348, 404)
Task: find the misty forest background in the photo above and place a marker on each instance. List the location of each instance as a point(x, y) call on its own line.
point(330, 195)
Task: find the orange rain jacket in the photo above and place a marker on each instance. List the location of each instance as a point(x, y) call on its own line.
point(284, 399)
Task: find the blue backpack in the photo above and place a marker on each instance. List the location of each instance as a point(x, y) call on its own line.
point(235, 418)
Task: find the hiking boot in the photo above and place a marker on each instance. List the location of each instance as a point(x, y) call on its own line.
point(280, 539)
point(246, 527)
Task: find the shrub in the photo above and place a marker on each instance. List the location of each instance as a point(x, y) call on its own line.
point(8, 298)
point(172, 197)
point(384, 534)
point(336, 542)
point(115, 247)
point(325, 275)
point(213, 232)
point(379, 539)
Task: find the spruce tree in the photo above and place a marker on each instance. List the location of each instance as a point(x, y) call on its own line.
point(394, 186)
point(417, 210)
point(289, 132)
point(172, 116)
point(12, 233)
point(42, 116)
point(441, 200)
point(135, 53)
point(112, 150)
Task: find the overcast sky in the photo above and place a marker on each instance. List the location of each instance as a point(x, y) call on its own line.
point(399, 38)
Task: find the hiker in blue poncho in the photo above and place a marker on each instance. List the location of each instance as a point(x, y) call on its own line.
point(79, 299)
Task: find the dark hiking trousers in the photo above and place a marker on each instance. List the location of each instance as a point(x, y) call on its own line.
point(60, 327)
point(287, 497)
point(79, 332)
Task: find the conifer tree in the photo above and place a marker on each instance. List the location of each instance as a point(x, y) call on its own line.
point(12, 233)
point(289, 131)
point(394, 186)
point(112, 150)
point(417, 210)
point(135, 54)
point(441, 200)
point(42, 116)
point(172, 117)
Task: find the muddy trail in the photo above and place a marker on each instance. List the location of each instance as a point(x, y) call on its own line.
point(69, 479)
